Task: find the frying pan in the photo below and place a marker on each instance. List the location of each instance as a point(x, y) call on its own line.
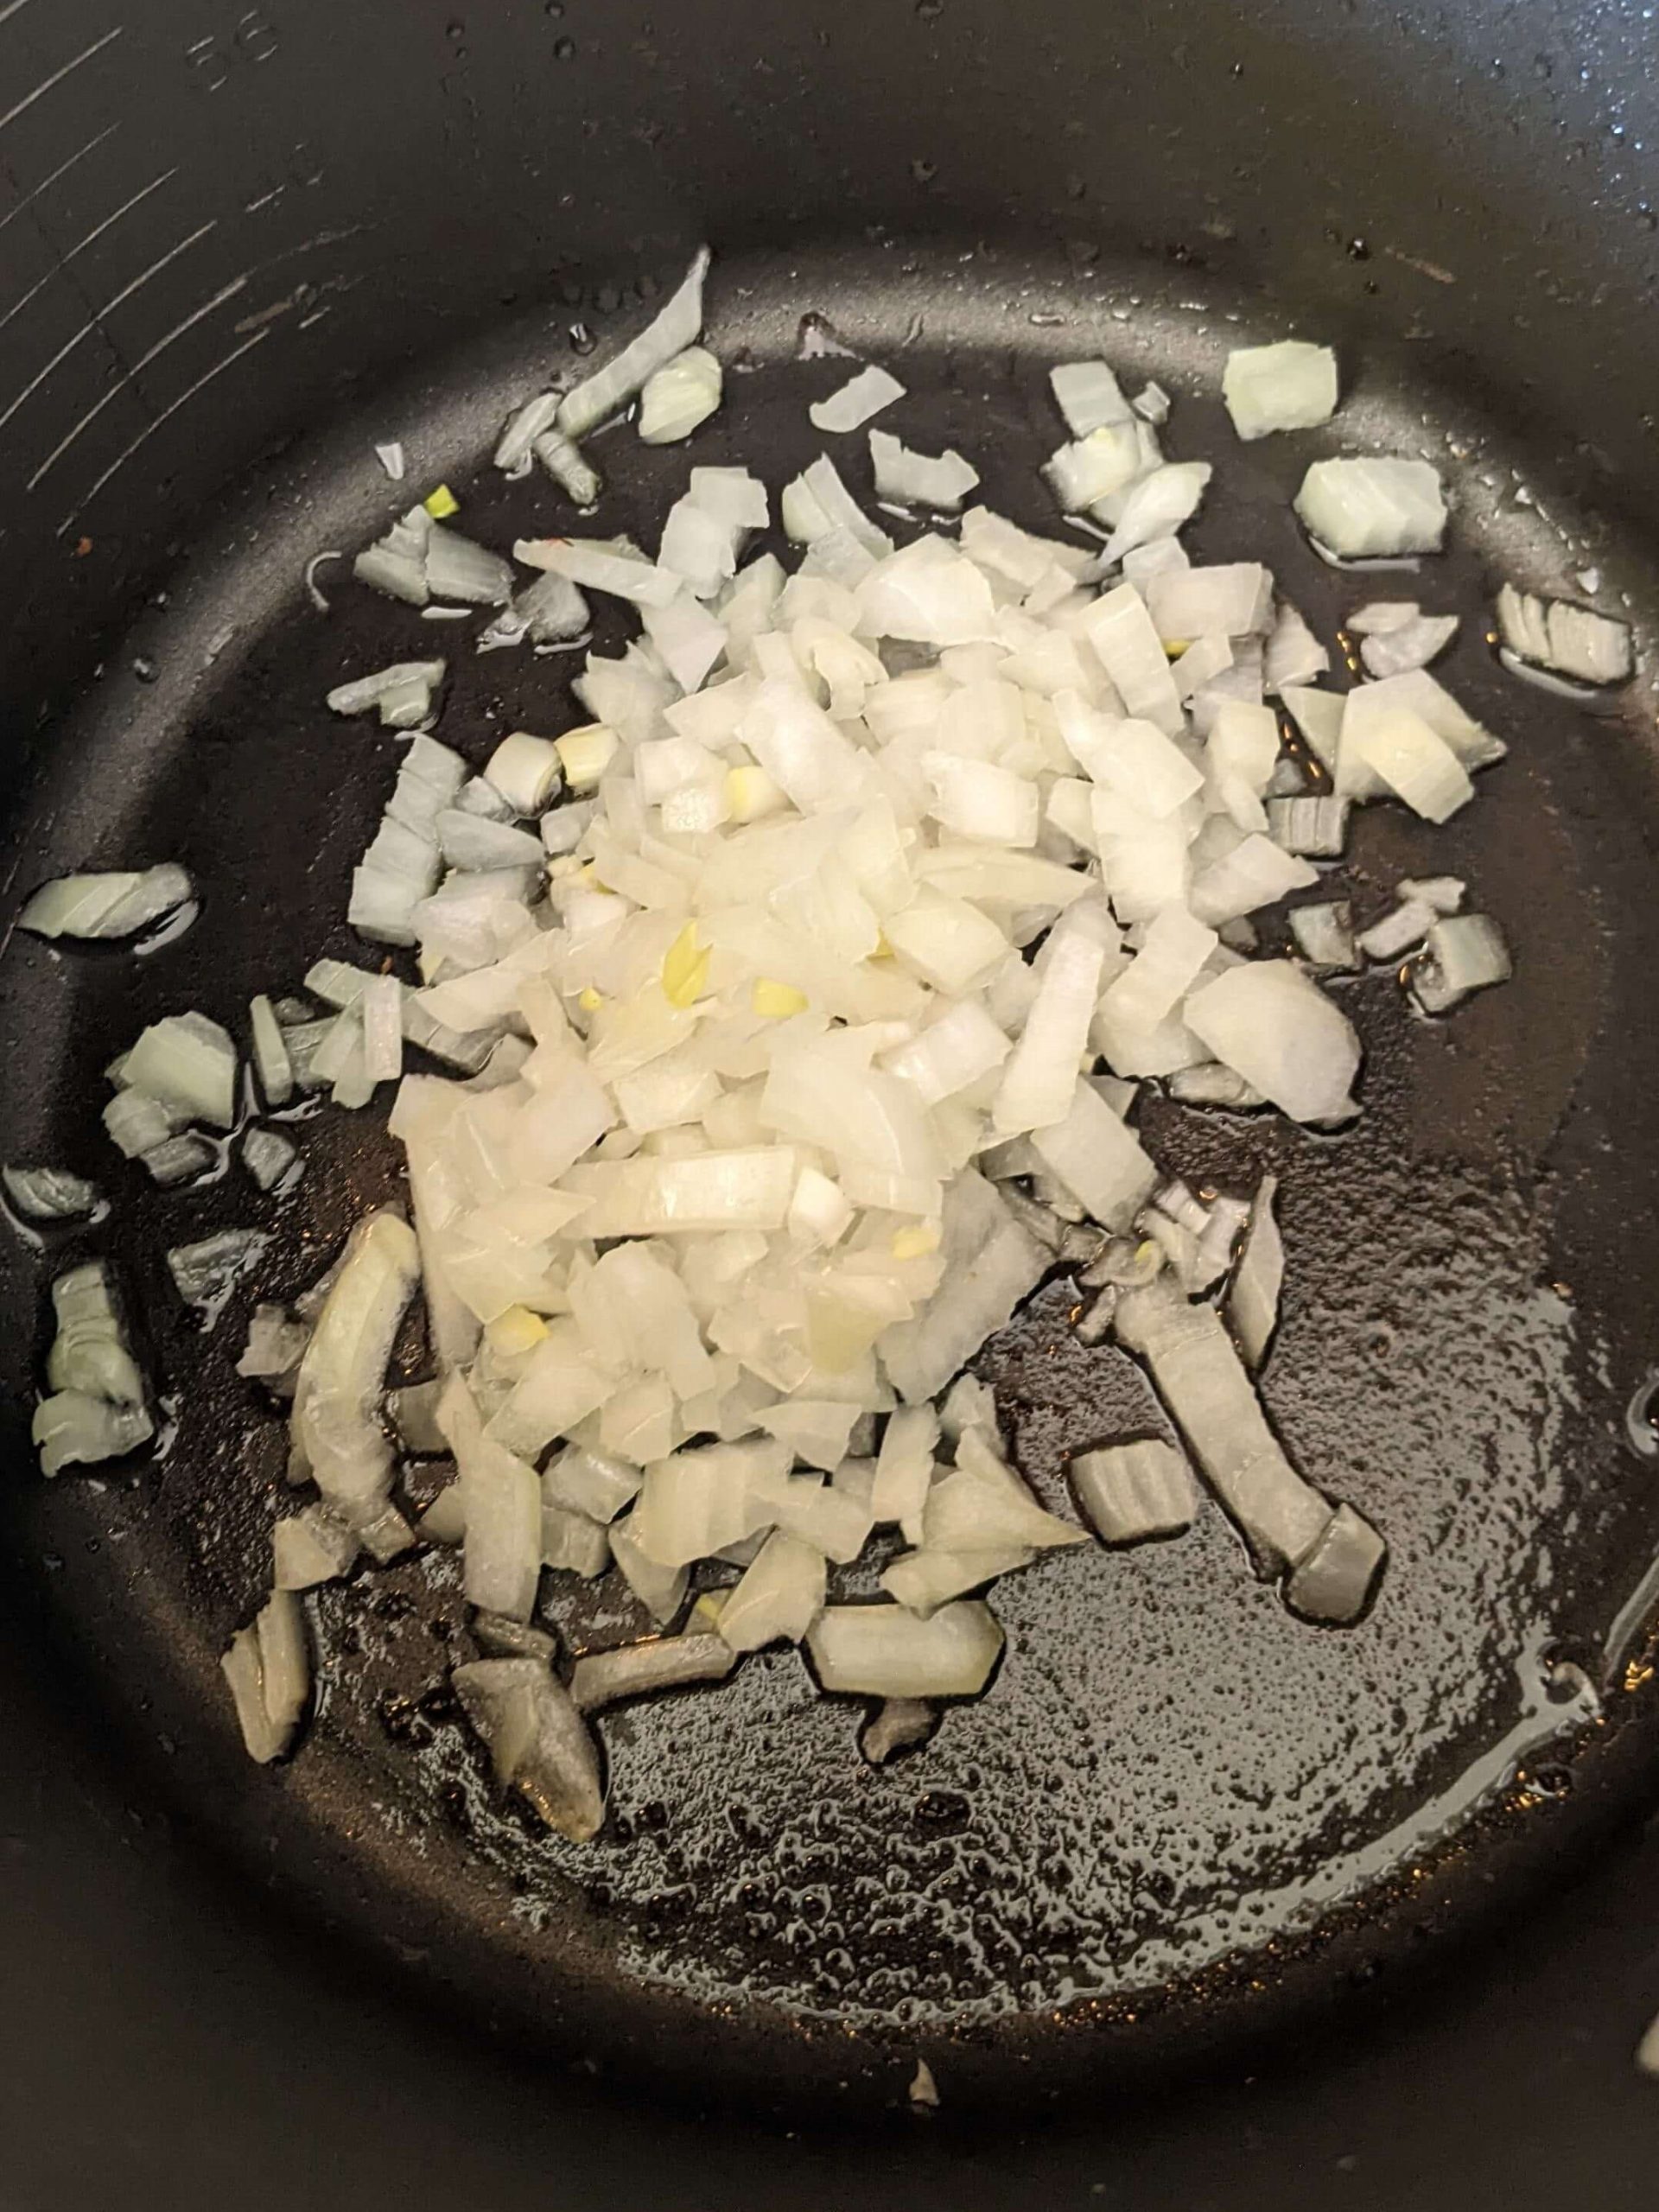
point(1197, 1907)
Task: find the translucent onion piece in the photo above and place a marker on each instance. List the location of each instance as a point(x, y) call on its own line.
point(1253, 1300)
point(665, 1662)
point(538, 1742)
point(886, 1651)
point(311, 1547)
point(115, 905)
point(853, 403)
point(679, 396)
point(1324, 934)
point(941, 481)
point(1289, 386)
point(1366, 510)
point(1570, 640)
point(1132, 1493)
point(669, 332)
point(337, 1391)
point(1462, 953)
point(49, 1193)
point(205, 1273)
point(72, 1428)
point(1274, 1027)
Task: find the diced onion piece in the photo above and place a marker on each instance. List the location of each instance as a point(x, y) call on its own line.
point(538, 1742)
point(74, 1429)
point(569, 467)
point(920, 480)
point(1289, 386)
point(1087, 395)
point(1313, 828)
point(338, 1390)
point(1098, 1159)
point(599, 567)
point(585, 755)
point(1371, 509)
point(1201, 1380)
point(270, 1060)
point(1132, 1493)
point(852, 405)
point(1400, 748)
point(269, 1669)
point(310, 1546)
point(1462, 953)
point(1093, 467)
point(628, 1670)
point(1255, 873)
point(1572, 639)
point(1253, 1300)
point(205, 1273)
point(1269, 1023)
point(675, 327)
point(1324, 934)
point(1408, 645)
point(886, 1651)
point(401, 694)
point(117, 904)
point(779, 1597)
point(1158, 504)
point(49, 1193)
point(1038, 1081)
point(899, 1723)
point(1121, 631)
point(990, 1263)
point(1334, 1581)
point(189, 1063)
point(1397, 931)
point(525, 769)
point(679, 396)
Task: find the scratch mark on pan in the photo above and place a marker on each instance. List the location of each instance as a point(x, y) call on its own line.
point(64, 259)
point(11, 8)
point(97, 322)
point(226, 292)
point(47, 183)
point(149, 428)
point(58, 76)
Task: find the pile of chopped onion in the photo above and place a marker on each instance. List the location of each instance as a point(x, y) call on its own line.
point(798, 1003)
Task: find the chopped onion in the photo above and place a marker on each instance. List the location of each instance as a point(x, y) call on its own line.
point(1289, 386)
point(1267, 1022)
point(1462, 953)
point(118, 904)
point(898, 1724)
point(1398, 931)
point(538, 1742)
point(401, 694)
point(338, 1390)
point(1089, 396)
point(665, 1662)
point(569, 467)
point(1158, 504)
point(1324, 934)
point(1314, 829)
point(526, 771)
point(1570, 640)
point(204, 1274)
point(1364, 510)
point(1334, 1581)
point(1253, 1300)
point(310, 1546)
point(1132, 1493)
point(50, 1193)
point(853, 403)
point(599, 567)
point(269, 1669)
point(679, 396)
point(920, 480)
point(779, 1597)
point(1408, 645)
point(188, 1063)
point(671, 331)
point(886, 1651)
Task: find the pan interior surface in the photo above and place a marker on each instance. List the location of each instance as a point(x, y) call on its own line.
point(1175, 1799)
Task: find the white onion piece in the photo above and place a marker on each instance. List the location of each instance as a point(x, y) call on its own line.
point(628, 1670)
point(117, 904)
point(1158, 504)
point(1036, 1084)
point(904, 1468)
point(1409, 646)
point(1173, 950)
point(1462, 953)
point(538, 1742)
point(1324, 934)
point(311, 1547)
point(526, 771)
point(1089, 470)
point(205, 1273)
point(569, 467)
point(1443, 892)
point(599, 567)
point(1313, 828)
point(924, 1580)
point(669, 332)
point(1364, 510)
point(50, 1193)
point(401, 694)
point(899, 1723)
point(72, 1428)
point(1232, 601)
point(1098, 1159)
point(990, 1263)
point(1133, 1493)
point(1266, 1020)
point(268, 1668)
point(1293, 654)
point(1255, 874)
point(1334, 1582)
point(1572, 640)
point(1318, 716)
point(886, 1651)
point(1289, 386)
point(1252, 1298)
point(1397, 931)
point(679, 396)
point(189, 1063)
point(270, 1060)
point(1121, 631)
point(1087, 395)
point(779, 1597)
point(1399, 749)
point(337, 1393)
point(523, 426)
point(941, 481)
point(456, 569)
point(853, 403)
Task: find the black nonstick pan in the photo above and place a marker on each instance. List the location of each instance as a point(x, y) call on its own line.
point(1199, 1905)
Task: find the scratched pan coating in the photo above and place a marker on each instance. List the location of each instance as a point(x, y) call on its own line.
point(1177, 1815)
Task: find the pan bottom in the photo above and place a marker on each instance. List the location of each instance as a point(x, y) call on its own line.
point(1177, 1809)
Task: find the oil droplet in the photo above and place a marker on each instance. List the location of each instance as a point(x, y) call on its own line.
point(563, 48)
